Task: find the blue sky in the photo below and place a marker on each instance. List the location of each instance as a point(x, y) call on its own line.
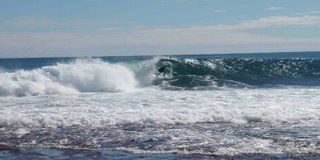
point(40, 28)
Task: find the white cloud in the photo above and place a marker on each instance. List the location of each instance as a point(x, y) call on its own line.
point(274, 8)
point(219, 11)
point(197, 39)
point(281, 21)
point(40, 24)
point(308, 13)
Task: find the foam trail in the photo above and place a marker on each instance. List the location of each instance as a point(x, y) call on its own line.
point(154, 107)
point(85, 75)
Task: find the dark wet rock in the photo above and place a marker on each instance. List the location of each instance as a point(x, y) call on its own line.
point(6, 146)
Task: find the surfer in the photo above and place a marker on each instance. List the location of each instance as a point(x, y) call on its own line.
point(162, 70)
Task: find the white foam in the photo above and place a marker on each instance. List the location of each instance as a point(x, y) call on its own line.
point(191, 61)
point(86, 75)
point(240, 106)
point(23, 83)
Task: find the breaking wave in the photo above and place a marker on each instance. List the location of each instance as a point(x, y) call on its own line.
point(98, 75)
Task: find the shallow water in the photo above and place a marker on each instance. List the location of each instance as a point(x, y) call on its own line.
point(222, 123)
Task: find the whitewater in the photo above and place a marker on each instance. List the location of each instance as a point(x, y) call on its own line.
point(235, 106)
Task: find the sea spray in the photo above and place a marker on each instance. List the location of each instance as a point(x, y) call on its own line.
point(83, 75)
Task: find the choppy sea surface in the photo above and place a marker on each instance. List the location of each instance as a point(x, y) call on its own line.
point(239, 106)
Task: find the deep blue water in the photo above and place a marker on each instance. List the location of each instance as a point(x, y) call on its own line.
point(31, 63)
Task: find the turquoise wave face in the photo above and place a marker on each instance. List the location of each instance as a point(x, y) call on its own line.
point(238, 72)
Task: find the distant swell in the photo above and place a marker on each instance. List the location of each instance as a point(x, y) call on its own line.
point(87, 75)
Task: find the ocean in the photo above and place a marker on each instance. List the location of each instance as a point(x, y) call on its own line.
point(225, 106)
